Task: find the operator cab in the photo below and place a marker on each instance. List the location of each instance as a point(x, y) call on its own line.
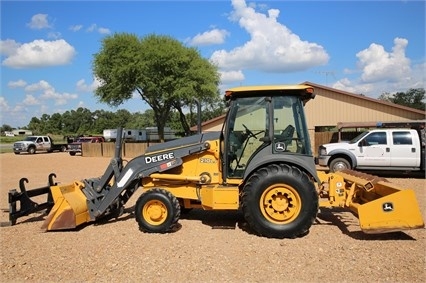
point(268, 124)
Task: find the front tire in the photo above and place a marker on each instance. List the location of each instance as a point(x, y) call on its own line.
point(339, 164)
point(31, 150)
point(157, 211)
point(280, 201)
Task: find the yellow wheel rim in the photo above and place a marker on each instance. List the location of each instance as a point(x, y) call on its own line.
point(154, 212)
point(280, 204)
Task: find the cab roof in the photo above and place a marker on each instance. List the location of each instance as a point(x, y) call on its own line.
point(301, 89)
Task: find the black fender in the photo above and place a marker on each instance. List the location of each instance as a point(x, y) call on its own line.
point(264, 157)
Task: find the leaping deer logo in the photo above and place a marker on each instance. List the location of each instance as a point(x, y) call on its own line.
point(387, 206)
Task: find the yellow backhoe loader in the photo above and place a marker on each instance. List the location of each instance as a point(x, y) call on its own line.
point(261, 162)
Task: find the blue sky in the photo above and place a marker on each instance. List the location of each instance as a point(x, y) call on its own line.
point(364, 47)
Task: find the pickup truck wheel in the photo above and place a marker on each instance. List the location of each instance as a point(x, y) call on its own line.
point(17, 152)
point(157, 211)
point(63, 148)
point(31, 150)
point(72, 153)
point(339, 164)
point(280, 201)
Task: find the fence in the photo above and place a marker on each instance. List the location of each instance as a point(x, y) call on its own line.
point(107, 149)
point(329, 137)
point(130, 149)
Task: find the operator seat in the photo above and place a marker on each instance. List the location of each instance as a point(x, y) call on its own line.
point(286, 135)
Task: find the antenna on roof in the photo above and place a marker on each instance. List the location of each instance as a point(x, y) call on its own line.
point(326, 73)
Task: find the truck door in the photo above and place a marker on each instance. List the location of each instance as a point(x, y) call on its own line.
point(46, 143)
point(39, 143)
point(374, 150)
point(405, 152)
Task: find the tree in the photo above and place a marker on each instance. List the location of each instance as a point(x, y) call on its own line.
point(413, 98)
point(160, 69)
point(6, 128)
point(35, 125)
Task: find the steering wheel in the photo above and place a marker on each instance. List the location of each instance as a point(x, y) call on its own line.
point(249, 132)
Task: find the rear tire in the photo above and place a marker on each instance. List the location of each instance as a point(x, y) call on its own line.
point(157, 211)
point(63, 148)
point(72, 153)
point(280, 201)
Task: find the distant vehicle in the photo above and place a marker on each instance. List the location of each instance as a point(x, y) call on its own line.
point(76, 147)
point(9, 134)
point(128, 134)
point(33, 144)
point(377, 150)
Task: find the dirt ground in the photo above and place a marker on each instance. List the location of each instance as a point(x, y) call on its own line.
point(208, 247)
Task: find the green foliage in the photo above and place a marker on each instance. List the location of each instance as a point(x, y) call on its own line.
point(414, 98)
point(5, 128)
point(166, 74)
point(84, 122)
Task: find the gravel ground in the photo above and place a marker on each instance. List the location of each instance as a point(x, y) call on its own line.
point(208, 247)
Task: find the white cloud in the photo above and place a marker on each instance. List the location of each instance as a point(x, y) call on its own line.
point(54, 35)
point(272, 46)
point(75, 27)
point(101, 30)
point(378, 65)
point(384, 72)
point(48, 92)
point(41, 85)
point(8, 47)
point(40, 53)
point(39, 21)
point(214, 36)
point(17, 84)
point(83, 87)
point(231, 76)
point(30, 100)
point(3, 104)
point(104, 30)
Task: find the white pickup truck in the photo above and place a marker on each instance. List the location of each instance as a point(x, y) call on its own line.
point(33, 144)
point(379, 149)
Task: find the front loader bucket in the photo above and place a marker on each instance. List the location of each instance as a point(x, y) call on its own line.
point(70, 207)
point(381, 206)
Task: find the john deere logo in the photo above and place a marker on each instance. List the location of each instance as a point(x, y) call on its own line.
point(387, 207)
point(280, 146)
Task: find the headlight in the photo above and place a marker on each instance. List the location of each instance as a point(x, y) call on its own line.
point(322, 151)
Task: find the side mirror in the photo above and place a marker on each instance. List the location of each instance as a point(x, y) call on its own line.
point(361, 143)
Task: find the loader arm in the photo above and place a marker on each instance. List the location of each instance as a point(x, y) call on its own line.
point(94, 198)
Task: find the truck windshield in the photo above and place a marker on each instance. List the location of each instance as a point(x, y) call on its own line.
point(357, 138)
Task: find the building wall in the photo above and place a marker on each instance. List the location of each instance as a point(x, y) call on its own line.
point(328, 108)
point(20, 132)
point(331, 106)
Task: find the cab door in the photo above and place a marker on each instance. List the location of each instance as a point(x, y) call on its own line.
point(46, 143)
point(374, 150)
point(405, 152)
